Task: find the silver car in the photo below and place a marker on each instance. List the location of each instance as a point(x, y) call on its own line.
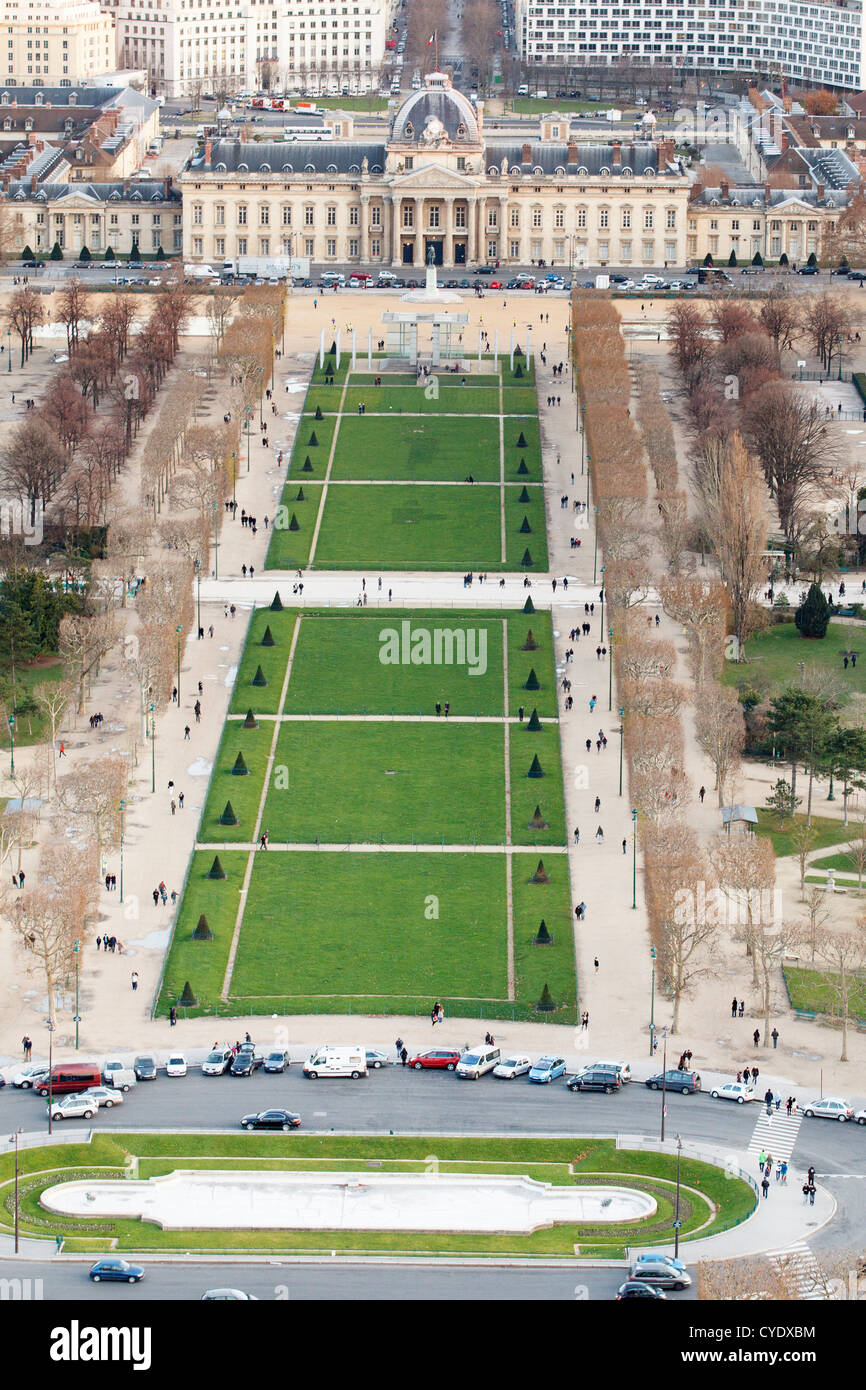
point(660, 1274)
point(103, 1095)
point(74, 1107)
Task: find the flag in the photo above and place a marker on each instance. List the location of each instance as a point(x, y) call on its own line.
point(431, 39)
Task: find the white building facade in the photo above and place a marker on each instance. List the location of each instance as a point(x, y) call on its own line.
point(54, 42)
point(815, 44)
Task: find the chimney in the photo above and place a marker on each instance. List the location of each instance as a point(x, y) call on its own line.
point(526, 158)
point(208, 147)
point(666, 153)
point(166, 187)
point(820, 192)
point(784, 141)
point(617, 155)
point(572, 156)
point(724, 188)
point(34, 183)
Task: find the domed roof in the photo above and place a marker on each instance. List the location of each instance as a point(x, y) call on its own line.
point(436, 111)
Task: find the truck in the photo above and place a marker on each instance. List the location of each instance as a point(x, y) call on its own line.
point(200, 272)
point(268, 267)
point(337, 1061)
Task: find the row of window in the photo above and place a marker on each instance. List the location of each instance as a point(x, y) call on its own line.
point(563, 250)
point(285, 214)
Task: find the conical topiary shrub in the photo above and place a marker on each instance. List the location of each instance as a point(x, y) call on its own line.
point(527, 562)
point(250, 722)
point(328, 368)
point(307, 465)
point(313, 439)
point(202, 930)
point(187, 999)
point(530, 645)
point(529, 606)
point(532, 682)
point(518, 351)
point(542, 937)
point(533, 727)
point(538, 822)
point(216, 869)
point(333, 352)
point(276, 603)
point(319, 415)
point(228, 816)
point(524, 495)
point(525, 528)
point(240, 768)
point(535, 769)
point(268, 638)
point(521, 467)
point(518, 370)
point(294, 524)
point(545, 1004)
point(521, 440)
point(259, 678)
point(300, 495)
point(541, 875)
point(812, 618)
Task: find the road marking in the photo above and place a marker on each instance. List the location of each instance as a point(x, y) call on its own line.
point(798, 1261)
point(775, 1134)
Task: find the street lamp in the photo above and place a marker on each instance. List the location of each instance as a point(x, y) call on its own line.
point(51, 1027)
point(595, 544)
point(609, 669)
point(12, 745)
point(216, 542)
point(248, 412)
point(234, 480)
point(177, 630)
point(13, 1139)
point(634, 858)
point(582, 438)
point(601, 618)
point(8, 349)
point(123, 808)
point(152, 749)
point(76, 951)
point(664, 1078)
point(621, 732)
point(677, 1222)
point(653, 958)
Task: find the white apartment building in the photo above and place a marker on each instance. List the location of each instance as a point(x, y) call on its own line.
point(54, 42)
point(189, 44)
point(813, 42)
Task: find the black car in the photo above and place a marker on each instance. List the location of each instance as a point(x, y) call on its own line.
point(595, 1079)
point(486, 270)
point(633, 1288)
point(277, 1060)
point(674, 1080)
point(808, 270)
point(246, 1062)
point(616, 279)
point(512, 284)
point(144, 1068)
point(272, 1119)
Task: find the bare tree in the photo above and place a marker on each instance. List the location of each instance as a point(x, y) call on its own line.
point(845, 956)
point(737, 524)
point(677, 875)
point(72, 309)
point(84, 641)
point(93, 792)
point(795, 449)
point(23, 313)
point(53, 698)
point(780, 319)
point(817, 917)
point(721, 733)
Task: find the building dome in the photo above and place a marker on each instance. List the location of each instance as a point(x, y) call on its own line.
point(436, 112)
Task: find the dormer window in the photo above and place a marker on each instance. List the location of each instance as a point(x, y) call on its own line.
point(461, 131)
point(28, 124)
point(37, 100)
point(7, 124)
point(626, 172)
point(264, 168)
point(408, 128)
point(604, 172)
point(583, 172)
point(243, 168)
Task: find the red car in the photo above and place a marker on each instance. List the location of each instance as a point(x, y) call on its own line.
point(443, 1058)
point(496, 284)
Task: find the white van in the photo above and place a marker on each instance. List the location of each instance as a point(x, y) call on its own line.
point(337, 1061)
point(478, 1061)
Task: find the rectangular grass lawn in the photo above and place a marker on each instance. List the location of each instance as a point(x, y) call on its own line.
point(290, 546)
point(203, 963)
point(517, 540)
point(303, 448)
point(522, 662)
point(405, 527)
point(772, 657)
point(388, 783)
point(428, 925)
point(418, 400)
point(553, 965)
point(528, 792)
point(243, 792)
point(338, 670)
point(405, 449)
point(264, 699)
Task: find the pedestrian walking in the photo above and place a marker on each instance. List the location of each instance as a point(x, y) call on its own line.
point(762, 1159)
point(398, 1047)
point(812, 1191)
point(134, 980)
point(180, 800)
point(404, 1057)
point(702, 793)
point(775, 1036)
point(186, 733)
point(805, 1193)
point(734, 1007)
point(768, 1100)
point(765, 1185)
point(576, 836)
point(741, 1009)
point(155, 899)
point(98, 942)
point(172, 1016)
point(599, 836)
point(777, 1101)
point(789, 1105)
point(595, 963)
point(624, 847)
point(27, 1044)
point(173, 806)
point(62, 750)
point(810, 1177)
point(756, 1037)
point(782, 1172)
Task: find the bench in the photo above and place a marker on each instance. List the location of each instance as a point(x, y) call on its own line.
point(805, 1014)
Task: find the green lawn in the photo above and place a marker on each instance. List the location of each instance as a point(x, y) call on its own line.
point(353, 924)
point(338, 667)
point(30, 723)
point(303, 449)
point(827, 832)
point(772, 657)
point(264, 699)
point(386, 783)
point(553, 965)
point(244, 792)
point(432, 450)
point(203, 963)
point(418, 400)
point(529, 792)
point(810, 990)
point(290, 548)
point(406, 527)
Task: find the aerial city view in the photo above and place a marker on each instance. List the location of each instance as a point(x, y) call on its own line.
point(433, 651)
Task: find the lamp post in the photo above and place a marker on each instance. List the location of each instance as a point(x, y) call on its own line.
point(123, 808)
point(621, 732)
point(177, 630)
point(664, 1086)
point(13, 1139)
point(609, 670)
point(216, 543)
point(12, 745)
point(595, 544)
point(50, 1075)
point(677, 1222)
point(8, 349)
point(588, 462)
point(234, 479)
point(582, 439)
point(653, 957)
point(601, 596)
point(247, 412)
point(634, 858)
point(152, 749)
point(76, 951)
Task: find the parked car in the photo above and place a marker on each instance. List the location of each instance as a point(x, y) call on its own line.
point(636, 1288)
point(677, 285)
point(74, 1108)
point(485, 270)
point(443, 1059)
point(217, 1062)
point(674, 1080)
point(595, 1079)
point(272, 1119)
point(734, 1090)
point(276, 1061)
point(29, 1076)
point(144, 1068)
point(616, 279)
point(517, 1064)
point(660, 1274)
point(386, 276)
point(653, 280)
point(117, 1271)
point(496, 284)
point(547, 1069)
point(376, 1059)
point(622, 1069)
point(103, 1095)
point(228, 1295)
point(860, 1117)
point(751, 270)
point(176, 1065)
point(653, 1257)
point(829, 1108)
point(808, 270)
point(246, 1061)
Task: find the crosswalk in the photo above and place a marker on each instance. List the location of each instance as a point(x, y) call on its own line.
point(799, 1266)
point(775, 1134)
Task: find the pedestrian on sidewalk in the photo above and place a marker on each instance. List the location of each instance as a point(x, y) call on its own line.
point(98, 942)
point(173, 806)
point(180, 800)
point(62, 753)
point(777, 1101)
point(805, 1192)
point(762, 1159)
point(599, 836)
point(756, 1037)
point(595, 963)
point(404, 1057)
point(27, 1044)
point(782, 1172)
point(775, 1036)
point(789, 1105)
point(186, 733)
point(702, 793)
point(768, 1100)
point(624, 849)
point(742, 1008)
point(398, 1047)
point(734, 1007)
point(812, 1191)
point(134, 981)
point(765, 1185)
point(576, 836)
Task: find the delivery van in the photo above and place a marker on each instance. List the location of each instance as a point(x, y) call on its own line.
point(69, 1076)
point(337, 1061)
point(478, 1061)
